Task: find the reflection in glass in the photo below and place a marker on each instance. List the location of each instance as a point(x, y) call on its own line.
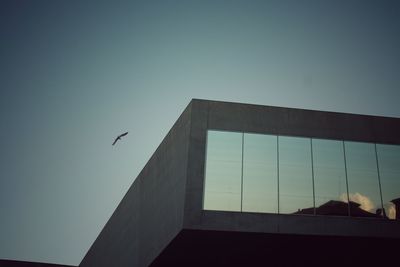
point(329, 178)
point(260, 184)
point(362, 175)
point(267, 173)
point(295, 176)
point(222, 189)
point(389, 170)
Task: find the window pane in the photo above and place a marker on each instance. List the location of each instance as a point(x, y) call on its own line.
point(329, 178)
point(363, 180)
point(295, 176)
point(389, 170)
point(223, 171)
point(260, 185)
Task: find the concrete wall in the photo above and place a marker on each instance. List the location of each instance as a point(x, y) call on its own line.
point(151, 213)
point(280, 121)
point(300, 122)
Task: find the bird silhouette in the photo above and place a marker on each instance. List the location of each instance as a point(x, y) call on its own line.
point(119, 137)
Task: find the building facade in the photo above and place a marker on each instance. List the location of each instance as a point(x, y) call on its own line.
point(239, 184)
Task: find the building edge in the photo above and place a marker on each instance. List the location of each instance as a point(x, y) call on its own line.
point(144, 223)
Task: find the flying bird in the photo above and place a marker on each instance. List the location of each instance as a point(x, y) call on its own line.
point(119, 137)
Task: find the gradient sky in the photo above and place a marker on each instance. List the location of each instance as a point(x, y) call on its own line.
point(74, 74)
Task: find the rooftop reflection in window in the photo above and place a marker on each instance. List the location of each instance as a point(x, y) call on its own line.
point(362, 175)
point(295, 175)
point(389, 170)
point(330, 178)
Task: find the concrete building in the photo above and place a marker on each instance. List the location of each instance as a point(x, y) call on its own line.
point(248, 185)
point(240, 184)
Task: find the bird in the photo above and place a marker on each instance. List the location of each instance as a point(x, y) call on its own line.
point(119, 137)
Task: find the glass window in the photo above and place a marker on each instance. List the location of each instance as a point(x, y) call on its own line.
point(329, 178)
point(222, 189)
point(295, 176)
point(363, 180)
point(389, 170)
point(260, 170)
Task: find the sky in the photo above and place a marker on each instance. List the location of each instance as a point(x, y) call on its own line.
point(75, 74)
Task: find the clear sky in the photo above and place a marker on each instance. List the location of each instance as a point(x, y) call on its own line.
point(74, 74)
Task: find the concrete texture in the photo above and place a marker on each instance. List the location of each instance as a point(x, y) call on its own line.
point(300, 122)
point(163, 207)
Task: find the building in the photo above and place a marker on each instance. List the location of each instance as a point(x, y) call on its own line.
point(247, 185)
point(239, 184)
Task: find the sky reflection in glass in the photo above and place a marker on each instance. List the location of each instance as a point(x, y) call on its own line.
point(223, 171)
point(295, 175)
point(260, 170)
